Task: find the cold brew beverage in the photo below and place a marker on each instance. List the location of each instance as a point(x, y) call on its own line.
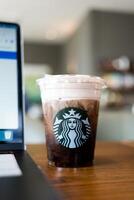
point(70, 107)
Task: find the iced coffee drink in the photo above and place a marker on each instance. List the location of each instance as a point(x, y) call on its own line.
point(70, 107)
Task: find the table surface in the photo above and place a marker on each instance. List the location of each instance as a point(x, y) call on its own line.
point(111, 177)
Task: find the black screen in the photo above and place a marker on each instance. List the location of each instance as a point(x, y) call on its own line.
point(11, 122)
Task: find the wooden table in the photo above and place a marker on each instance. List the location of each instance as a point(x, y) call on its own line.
point(111, 177)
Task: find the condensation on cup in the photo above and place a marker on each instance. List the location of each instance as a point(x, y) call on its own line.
point(70, 107)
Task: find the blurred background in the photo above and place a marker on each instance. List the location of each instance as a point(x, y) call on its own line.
point(78, 36)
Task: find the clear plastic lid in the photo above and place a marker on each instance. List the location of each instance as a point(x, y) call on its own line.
point(71, 81)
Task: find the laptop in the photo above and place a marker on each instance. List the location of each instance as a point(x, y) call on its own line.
point(20, 178)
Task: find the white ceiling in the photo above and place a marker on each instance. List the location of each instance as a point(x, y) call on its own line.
point(54, 20)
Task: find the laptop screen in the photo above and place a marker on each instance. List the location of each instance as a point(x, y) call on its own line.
point(9, 87)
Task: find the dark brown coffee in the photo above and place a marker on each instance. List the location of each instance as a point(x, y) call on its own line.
point(70, 128)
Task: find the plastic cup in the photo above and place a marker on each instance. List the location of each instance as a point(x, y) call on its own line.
point(70, 107)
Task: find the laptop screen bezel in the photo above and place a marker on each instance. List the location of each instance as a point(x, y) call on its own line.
point(17, 146)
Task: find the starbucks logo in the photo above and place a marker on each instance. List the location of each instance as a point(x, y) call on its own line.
point(71, 127)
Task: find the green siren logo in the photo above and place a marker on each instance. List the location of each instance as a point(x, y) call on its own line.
point(71, 127)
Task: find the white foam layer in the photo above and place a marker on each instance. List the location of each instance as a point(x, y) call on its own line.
point(65, 78)
point(64, 94)
point(70, 87)
point(52, 81)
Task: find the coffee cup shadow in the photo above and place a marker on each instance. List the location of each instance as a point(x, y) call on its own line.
point(102, 161)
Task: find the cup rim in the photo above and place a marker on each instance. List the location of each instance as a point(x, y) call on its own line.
point(69, 80)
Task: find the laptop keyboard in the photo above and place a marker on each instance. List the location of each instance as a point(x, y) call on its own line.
point(9, 166)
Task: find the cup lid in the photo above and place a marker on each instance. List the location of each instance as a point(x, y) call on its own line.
point(66, 80)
